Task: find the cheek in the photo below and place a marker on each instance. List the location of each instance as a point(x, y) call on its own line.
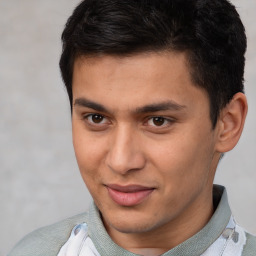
point(89, 153)
point(177, 157)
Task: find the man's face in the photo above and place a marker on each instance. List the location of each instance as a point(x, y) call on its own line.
point(143, 139)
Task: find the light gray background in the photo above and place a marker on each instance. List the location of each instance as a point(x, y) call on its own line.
point(39, 179)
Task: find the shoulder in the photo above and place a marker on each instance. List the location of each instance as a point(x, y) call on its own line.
point(47, 240)
point(250, 246)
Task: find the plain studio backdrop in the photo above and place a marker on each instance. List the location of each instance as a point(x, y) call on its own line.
point(39, 178)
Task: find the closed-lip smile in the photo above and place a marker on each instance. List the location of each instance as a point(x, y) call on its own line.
point(129, 195)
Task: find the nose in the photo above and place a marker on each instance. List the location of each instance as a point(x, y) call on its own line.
point(125, 151)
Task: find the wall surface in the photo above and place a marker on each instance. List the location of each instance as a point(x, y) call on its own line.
point(39, 179)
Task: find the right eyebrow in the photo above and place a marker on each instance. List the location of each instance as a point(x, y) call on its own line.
point(83, 102)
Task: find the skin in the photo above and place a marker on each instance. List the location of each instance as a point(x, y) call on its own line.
point(118, 140)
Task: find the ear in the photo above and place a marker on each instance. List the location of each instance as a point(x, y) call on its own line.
point(231, 123)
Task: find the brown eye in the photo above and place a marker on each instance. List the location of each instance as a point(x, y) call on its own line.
point(158, 121)
point(96, 122)
point(97, 118)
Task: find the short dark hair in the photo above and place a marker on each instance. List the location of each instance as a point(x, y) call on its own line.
point(210, 32)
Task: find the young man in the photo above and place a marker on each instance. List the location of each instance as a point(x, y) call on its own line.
point(156, 94)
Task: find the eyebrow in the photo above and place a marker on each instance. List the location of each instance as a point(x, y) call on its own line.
point(162, 106)
point(155, 107)
point(82, 102)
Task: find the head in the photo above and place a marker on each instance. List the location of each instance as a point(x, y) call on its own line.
point(155, 89)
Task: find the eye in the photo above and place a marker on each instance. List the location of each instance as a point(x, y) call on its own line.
point(96, 119)
point(159, 121)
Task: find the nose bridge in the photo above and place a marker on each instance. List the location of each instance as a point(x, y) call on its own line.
point(124, 151)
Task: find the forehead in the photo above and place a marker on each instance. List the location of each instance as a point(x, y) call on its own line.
point(146, 66)
point(135, 80)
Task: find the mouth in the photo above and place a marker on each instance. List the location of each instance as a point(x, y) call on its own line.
point(130, 195)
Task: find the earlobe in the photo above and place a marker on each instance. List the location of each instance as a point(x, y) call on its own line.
point(231, 123)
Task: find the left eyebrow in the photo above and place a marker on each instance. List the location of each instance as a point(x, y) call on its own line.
point(167, 105)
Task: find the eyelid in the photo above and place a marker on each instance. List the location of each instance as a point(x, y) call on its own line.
point(168, 119)
point(87, 116)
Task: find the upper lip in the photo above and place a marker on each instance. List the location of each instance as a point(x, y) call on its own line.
point(128, 188)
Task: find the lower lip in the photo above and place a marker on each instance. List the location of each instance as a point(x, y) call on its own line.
point(129, 199)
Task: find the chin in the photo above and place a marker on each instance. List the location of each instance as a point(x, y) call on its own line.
point(135, 223)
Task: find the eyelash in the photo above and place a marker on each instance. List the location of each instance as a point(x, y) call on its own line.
point(167, 121)
point(86, 117)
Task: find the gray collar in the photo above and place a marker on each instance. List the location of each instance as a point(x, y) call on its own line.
point(194, 246)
